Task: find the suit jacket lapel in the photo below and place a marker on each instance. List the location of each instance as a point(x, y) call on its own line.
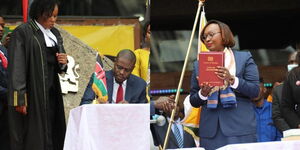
point(188, 139)
point(237, 59)
point(128, 89)
point(110, 84)
point(172, 139)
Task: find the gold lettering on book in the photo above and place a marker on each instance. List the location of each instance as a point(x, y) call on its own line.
point(210, 58)
point(210, 69)
point(210, 63)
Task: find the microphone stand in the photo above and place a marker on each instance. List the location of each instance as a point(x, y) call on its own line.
point(200, 4)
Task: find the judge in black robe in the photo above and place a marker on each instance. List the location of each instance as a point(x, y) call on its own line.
point(36, 112)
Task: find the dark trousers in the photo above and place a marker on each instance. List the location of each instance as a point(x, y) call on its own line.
point(4, 134)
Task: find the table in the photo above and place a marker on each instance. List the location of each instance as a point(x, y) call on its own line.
point(108, 127)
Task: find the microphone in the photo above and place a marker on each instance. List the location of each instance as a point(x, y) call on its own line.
point(61, 50)
point(60, 44)
point(159, 120)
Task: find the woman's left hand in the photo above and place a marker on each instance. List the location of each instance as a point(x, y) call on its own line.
point(224, 74)
point(62, 58)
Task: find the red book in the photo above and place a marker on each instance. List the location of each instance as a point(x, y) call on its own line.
point(208, 61)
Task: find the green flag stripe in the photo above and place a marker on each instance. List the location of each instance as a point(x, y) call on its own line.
point(100, 85)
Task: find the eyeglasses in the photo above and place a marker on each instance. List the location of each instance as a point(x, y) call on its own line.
point(125, 69)
point(209, 35)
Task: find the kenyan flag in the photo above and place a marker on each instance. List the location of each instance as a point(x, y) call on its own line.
point(99, 84)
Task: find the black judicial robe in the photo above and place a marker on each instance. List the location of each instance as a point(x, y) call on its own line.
point(43, 128)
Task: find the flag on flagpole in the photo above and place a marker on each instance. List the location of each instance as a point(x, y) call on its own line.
point(191, 119)
point(25, 10)
point(99, 84)
point(192, 115)
point(203, 21)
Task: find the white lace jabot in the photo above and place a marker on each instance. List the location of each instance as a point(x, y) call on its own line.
point(50, 38)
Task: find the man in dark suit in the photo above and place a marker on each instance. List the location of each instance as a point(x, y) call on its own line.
point(133, 88)
point(181, 139)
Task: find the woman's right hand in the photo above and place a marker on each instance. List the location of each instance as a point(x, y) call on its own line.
point(205, 89)
point(21, 109)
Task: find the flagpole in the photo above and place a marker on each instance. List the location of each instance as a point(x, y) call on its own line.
point(201, 2)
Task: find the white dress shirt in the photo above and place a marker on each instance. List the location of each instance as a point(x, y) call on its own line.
point(115, 90)
point(179, 126)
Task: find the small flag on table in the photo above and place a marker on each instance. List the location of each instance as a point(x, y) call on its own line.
point(99, 84)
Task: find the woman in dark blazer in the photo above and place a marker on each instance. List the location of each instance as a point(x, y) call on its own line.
point(291, 97)
point(222, 123)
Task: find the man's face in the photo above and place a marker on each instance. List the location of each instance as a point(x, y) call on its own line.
point(292, 62)
point(2, 23)
point(122, 69)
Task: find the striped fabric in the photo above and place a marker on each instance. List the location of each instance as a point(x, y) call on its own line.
point(178, 136)
point(227, 98)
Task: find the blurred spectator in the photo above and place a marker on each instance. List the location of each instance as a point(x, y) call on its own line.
point(266, 131)
point(291, 97)
point(277, 117)
point(4, 37)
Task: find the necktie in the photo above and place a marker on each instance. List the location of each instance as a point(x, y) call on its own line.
point(178, 136)
point(119, 93)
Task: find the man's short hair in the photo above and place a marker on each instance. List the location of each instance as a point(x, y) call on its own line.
point(128, 54)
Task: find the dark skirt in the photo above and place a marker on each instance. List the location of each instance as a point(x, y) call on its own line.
point(220, 140)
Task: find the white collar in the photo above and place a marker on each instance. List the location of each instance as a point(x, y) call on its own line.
point(123, 84)
point(50, 38)
point(178, 121)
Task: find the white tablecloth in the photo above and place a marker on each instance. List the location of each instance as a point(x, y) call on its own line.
point(108, 127)
point(280, 145)
point(195, 148)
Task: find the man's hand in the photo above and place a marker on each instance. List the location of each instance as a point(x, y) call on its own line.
point(100, 101)
point(123, 102)
point(164, 103)
point(21, 109)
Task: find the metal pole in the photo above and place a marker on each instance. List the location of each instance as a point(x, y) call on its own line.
point(182, 73)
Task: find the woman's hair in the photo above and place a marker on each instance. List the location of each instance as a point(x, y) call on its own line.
point(144, 35)
point(40, 8)
point(227, 36)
